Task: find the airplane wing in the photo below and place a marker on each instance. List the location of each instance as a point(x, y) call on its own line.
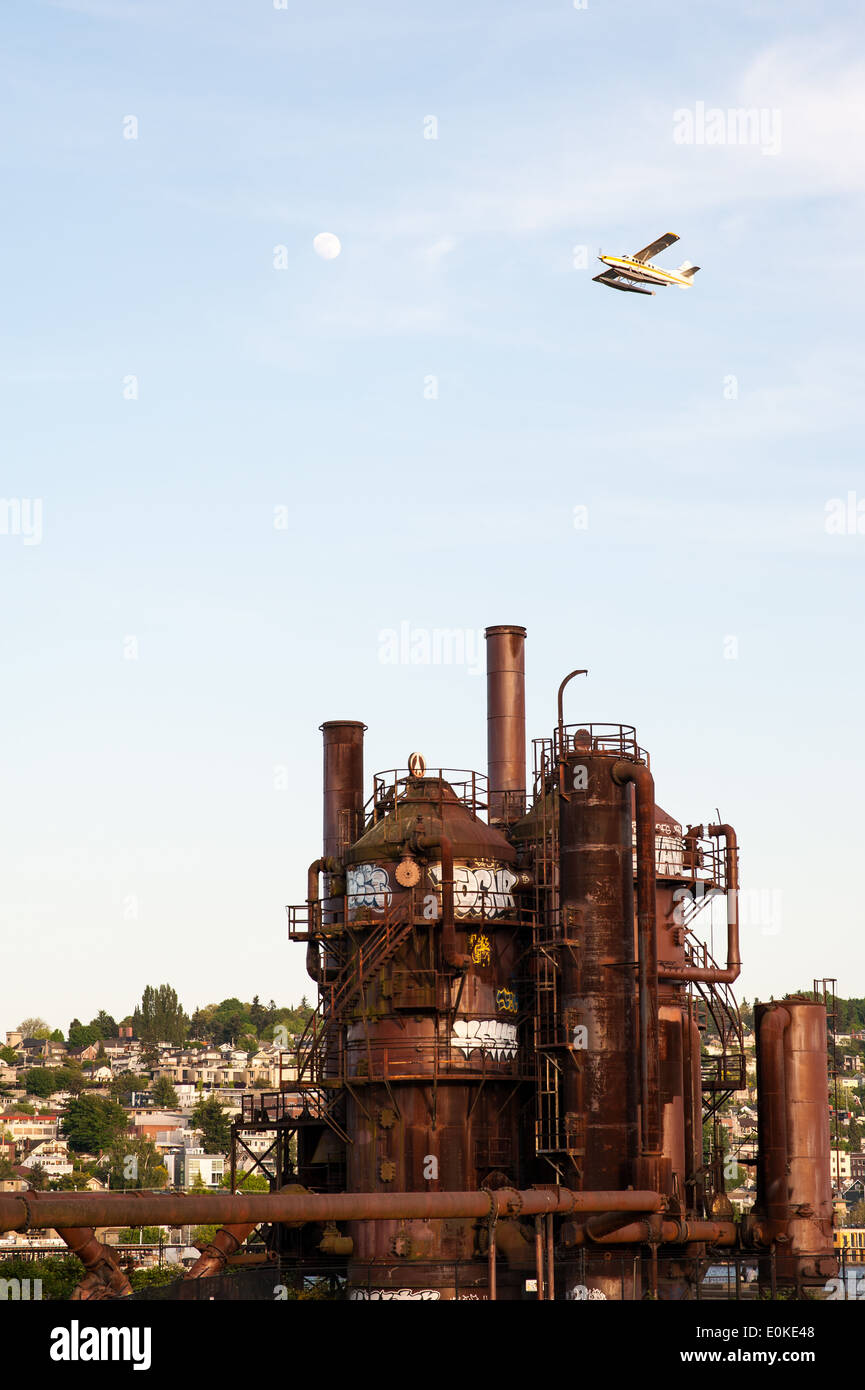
point(652, 250)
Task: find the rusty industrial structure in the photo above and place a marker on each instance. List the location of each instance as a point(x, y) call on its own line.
point(503, 1092)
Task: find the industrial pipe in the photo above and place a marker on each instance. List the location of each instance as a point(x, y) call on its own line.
point(647, 952)
point(665, 1232)
point(506, 722)
point(213, 1257)
point(714, 975)
point(560, 708)
point(104, 1277)
point(314, 967)
point(18, 1211)
point(450, 955)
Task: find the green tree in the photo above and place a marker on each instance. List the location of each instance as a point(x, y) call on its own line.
point(140, 1235)
point(257, 1013)
point(81, 1034)
point(250, 1181)
point(69, 1182)
point(8, 1055)
point(210, 1117)
point(36, 1177)
point(160, 1017)
point(104, 1025)
point(40, 1081)
point(133, 1163)
point(92, 1123)
point(163, 1093)
point(59, 1274)
point(127, 1082)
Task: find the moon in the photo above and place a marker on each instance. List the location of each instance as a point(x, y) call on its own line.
point(327, 245)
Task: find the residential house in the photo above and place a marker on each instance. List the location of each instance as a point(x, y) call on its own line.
point(30, 1127)
point(52, 1156)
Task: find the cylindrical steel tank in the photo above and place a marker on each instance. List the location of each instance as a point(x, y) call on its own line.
point(596, 888)
point(432, 1063)
point(793, 1210)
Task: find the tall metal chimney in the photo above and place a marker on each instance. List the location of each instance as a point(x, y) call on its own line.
point(343, 784)
point(506, 722)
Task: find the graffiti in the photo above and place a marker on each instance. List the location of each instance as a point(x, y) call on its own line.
point(498, 1040)
point(479, 889)
point(396, 1295)
point(479, 948)
point(581, 1292)
point(669, 848)
point(506, 1001)
point(367, 886)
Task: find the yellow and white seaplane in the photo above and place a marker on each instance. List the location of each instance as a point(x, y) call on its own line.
point(630, 272)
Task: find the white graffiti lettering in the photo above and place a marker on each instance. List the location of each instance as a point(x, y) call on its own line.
point(367, 886)
point(395, 1295)
point(490, 1035)
point(477, 889)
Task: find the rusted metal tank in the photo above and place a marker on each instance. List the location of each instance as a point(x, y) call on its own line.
point(793, 1212)
point(598, 995)
point(432, 1064)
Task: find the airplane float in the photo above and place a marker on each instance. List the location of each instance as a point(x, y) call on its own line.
point(630, 272)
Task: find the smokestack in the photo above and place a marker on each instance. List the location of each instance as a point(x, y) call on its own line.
point(506, 722)
point(343, 784)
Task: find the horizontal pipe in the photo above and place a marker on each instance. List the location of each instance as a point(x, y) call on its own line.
point(17, 1213)
point(665, 1232)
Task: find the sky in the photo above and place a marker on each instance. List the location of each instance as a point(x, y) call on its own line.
point(230, 466)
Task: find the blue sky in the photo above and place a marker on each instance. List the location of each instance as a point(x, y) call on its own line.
point(169, 651)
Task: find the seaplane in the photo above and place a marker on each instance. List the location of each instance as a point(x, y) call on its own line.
point(630, 272)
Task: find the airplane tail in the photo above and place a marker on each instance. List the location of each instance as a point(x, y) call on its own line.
point(688, 270)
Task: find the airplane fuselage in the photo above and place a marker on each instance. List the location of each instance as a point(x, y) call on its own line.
point(645, 274)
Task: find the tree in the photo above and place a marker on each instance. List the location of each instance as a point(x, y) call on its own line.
point(854, 1134)
point(160, 1017)
point(104, 1025)
point(257, 1013)
point(8, 1055)
point(92, 1123)
point(126, 1083)
point(134, 1163)
point(163, 1093)
point(250, 1181)
point(81, 1034)
point(34, 1028)
point(149, 1235)
point(59, 1274)
point(69, 1182)
point(40, 1081)
point(215, 1126)
point(37, 1178)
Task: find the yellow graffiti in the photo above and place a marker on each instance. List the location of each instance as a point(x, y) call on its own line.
point(506, 1001)
point(479, 948)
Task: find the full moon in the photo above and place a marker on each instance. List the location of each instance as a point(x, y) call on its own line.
point(327, 245)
